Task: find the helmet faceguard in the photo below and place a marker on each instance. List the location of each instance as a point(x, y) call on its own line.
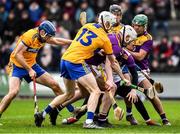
point(128, 35)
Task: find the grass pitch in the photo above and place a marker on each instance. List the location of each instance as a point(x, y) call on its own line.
point(19, 119)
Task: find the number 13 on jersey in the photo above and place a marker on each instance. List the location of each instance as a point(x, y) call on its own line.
point(88, 35)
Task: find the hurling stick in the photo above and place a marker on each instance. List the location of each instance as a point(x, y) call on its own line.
point(83, 18)
point(158, 86)
point(36, 108)
point(118, 112)
point(150, 92)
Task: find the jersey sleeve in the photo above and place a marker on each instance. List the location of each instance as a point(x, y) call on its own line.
point(107, 46)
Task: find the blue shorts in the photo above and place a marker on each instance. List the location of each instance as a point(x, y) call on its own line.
point(73, 71)
point(23, 73)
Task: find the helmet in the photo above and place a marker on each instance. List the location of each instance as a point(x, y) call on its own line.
point(140, 19)
point(48, 27)
point(106, 16)
point(115, 8)
point(128, 33)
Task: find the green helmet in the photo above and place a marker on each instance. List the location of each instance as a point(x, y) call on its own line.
point(140, 19)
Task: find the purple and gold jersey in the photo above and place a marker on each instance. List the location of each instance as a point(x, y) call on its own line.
point(97, 59)
point(116, 29)
point(144, 42)
point(117, 51)
point(121, 54)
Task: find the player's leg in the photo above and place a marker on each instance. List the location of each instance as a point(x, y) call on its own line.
point(54, 113)
point(129, 114)
point(14, 86)
point(156, 103)
point(124, 91)
point(75, 111)
point(16, 74)
point(79, 94)
point(89, 82)
point(103, 108)
point(47, 80)
point(58, 100)
point(76, 116)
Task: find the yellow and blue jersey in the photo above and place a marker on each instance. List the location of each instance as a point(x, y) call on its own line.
point(89, 38)
point(29, 39)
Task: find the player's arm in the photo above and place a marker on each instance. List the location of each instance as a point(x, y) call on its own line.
point(107, 47)
point(109, 82)
point(59, 41)
point(115, 66)
point(18, 54)
point(108, 69)
point(144, 50)
point(139, 55)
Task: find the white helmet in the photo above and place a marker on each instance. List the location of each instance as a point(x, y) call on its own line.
point(128, 33)
point(107, 20)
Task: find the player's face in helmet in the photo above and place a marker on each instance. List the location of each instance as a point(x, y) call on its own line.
point(44, 36)
point(118, 16)
point(130, 46)
point(139, 28)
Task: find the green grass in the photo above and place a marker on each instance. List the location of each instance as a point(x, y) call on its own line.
point(19, 119)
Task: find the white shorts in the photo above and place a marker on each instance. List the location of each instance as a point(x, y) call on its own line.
point(141, 76)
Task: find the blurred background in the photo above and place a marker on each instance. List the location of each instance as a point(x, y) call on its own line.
point(17, 16)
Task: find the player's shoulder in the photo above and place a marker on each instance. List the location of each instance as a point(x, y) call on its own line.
point(148, 36)
point(97, 29)
point(29, 36)
point(30, 33)
point(143, 38)
point(90, 25)
point(116, 29)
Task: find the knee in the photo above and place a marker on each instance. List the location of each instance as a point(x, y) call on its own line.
point(70, 94)
point(54, 85)
point(12, 93)
point(114, 88)
point(56, 88)
point(96, 92)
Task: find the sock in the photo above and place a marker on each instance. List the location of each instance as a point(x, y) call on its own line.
point(70, 108)
point(128, 110)
point(102, 117)
point(47, 110)
point(90, 116)
point(141, 109)
point(163, 116)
